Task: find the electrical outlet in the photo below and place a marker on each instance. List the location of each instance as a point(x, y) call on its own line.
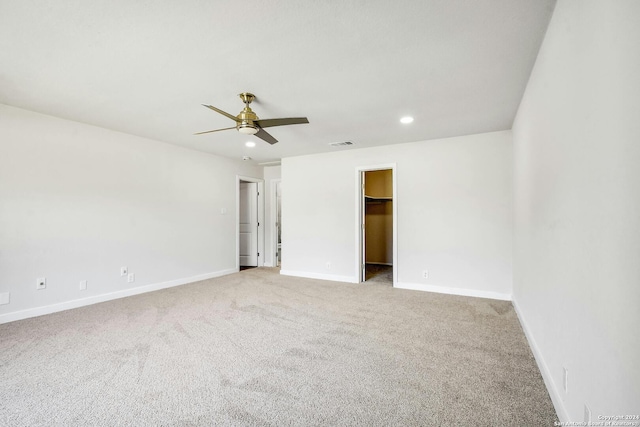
point(328, 265)
point(124, 271)
point(83, 285)
point(4, 298)
point(131, 278)
point(425, 274)
point(41, 283)
point(565, 379)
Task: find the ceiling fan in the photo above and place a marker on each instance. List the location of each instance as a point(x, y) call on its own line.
point(248, 123)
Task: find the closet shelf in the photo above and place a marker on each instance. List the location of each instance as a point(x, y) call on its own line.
point(377, 198)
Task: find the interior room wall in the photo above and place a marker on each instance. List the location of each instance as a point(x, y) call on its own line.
point(577, 208)
point(78, 202)
point(454, 200)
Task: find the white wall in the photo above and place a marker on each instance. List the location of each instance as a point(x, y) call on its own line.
point(577, 199)
point(77, 202)
point(454, 201)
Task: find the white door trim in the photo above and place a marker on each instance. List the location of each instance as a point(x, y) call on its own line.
point(359, 213)
point(260, 182)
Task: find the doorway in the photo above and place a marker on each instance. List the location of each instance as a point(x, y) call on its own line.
point(377, 225)
point(278, 228)
point(274, 255)
point(249, 235)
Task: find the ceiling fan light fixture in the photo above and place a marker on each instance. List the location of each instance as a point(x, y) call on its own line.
point(406, 120)
point(250, 144)
point(247, 129)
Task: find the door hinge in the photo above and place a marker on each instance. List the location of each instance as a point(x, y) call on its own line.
point(258, 253)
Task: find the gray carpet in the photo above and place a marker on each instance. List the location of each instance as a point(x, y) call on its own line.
point(257, 348)
point(377, 273)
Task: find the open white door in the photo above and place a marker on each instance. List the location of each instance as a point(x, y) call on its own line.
point(248, 225)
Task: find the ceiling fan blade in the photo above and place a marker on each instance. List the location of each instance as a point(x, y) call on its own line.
point(265, 136)
point(281, 122)
point(209, 131)
point(224, 113)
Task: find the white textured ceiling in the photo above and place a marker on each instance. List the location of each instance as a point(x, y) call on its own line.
point(353, 68)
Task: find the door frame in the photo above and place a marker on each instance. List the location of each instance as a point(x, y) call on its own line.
point(360, 214)
point(260, 183)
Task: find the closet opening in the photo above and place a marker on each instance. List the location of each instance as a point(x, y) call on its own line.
point(377, 225)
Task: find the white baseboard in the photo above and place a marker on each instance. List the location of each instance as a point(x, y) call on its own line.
point(554, 392)
point(67, 305)
point(453, 291)
point(332, 277)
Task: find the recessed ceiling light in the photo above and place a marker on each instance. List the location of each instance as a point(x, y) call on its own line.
point(250, 144)
point(406, 120)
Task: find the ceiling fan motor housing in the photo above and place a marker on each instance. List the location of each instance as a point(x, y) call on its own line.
point(245, 121)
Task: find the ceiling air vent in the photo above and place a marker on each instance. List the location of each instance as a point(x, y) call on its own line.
point(340, 144)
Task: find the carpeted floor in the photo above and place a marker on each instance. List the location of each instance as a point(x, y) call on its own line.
point(377, 273)
point(257, 348)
